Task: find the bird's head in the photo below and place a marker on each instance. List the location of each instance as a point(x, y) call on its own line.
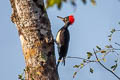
point(67, 19)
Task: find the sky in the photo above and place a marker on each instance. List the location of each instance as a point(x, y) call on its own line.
point(92, 26)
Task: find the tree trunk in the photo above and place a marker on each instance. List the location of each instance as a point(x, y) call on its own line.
point(36, 39)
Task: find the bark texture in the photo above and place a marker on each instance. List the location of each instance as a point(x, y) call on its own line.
point(36, 39)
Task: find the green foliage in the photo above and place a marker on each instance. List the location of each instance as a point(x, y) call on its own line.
point(108, 46)
point(73, 3)
point(51, 3)
point(91, 70)
point(112, 31)
point(104, 59)
point(93, 2)
point(84, 1)
point(99, 56)
point(84, 63)
point(103, 51)
point(21, 76)
point(81, 65)
point(74, 74)
point(98, 47)
point(113, 67)
point(76, 66)
point(89, 54)
point(110, 36)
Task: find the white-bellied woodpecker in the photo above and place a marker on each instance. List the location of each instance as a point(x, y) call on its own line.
point(63, 38)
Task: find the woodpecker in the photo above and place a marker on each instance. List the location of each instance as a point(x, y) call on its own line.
point(63, 38)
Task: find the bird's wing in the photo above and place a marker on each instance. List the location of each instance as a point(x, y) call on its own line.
point(65, 37)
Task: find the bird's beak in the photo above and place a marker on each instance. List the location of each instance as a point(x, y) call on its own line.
point(60, 18)
point(63, 19)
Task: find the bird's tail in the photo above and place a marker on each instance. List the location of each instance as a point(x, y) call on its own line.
point(64, 61)
point(58, 62)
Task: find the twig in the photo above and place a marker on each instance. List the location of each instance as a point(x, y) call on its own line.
point(117, 30)
point(75, 57)
point(82, 59)
point(116, 49)
point(105, 66)
point(117, 44)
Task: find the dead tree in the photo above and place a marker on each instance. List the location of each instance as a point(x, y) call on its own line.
point(36, 38)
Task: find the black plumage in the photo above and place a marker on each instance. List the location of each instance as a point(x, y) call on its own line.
point(62, 40)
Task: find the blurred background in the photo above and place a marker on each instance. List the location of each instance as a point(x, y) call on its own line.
point(92, 27)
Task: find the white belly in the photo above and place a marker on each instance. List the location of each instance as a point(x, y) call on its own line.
point(58, 37)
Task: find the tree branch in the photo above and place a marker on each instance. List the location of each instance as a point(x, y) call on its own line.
point(82, 59)
point(105, 66)
point(117, 44)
